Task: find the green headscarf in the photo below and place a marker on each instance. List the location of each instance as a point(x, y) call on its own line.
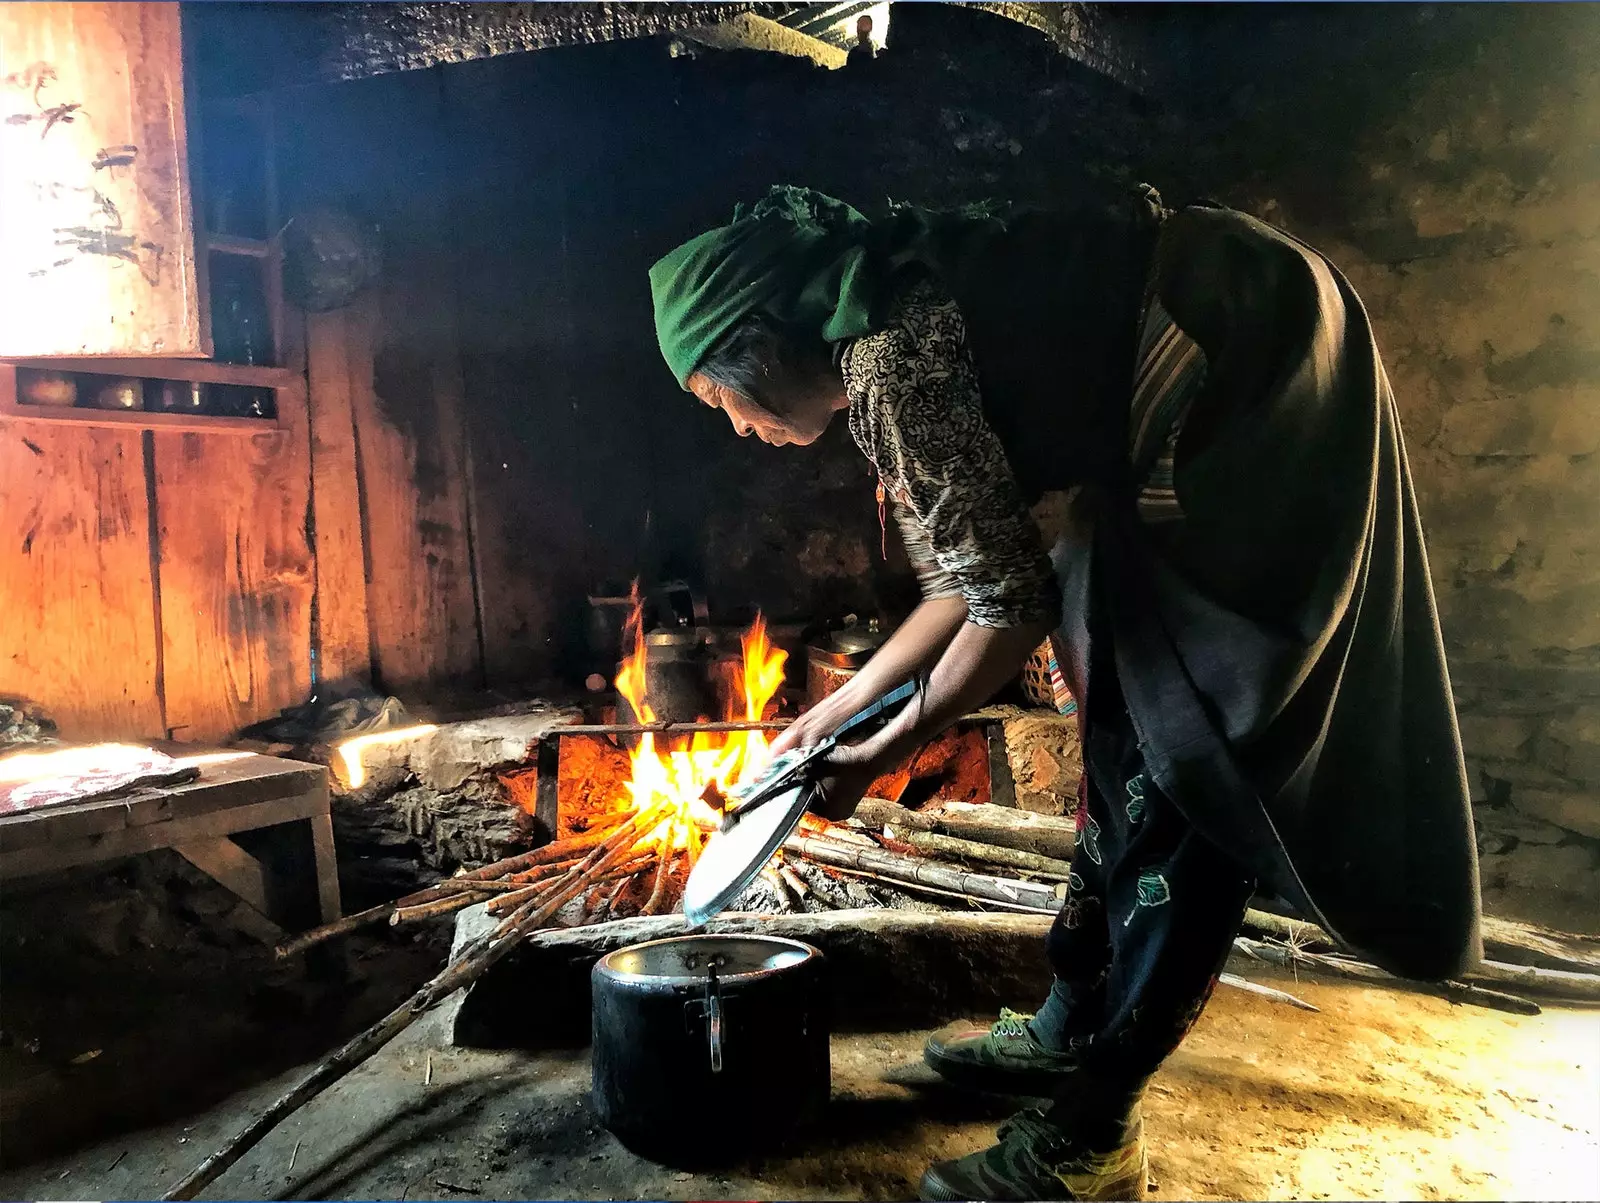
point(813, 261)
point(803, 258)
point(797, 255)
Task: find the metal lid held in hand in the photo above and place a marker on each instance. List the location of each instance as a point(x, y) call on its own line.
point(769, 810)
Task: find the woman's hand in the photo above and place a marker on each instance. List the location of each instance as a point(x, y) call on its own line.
point(851, 770)
point(914, 647)
point(812, 727)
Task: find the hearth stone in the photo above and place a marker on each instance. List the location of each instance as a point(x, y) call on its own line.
point(888, 970)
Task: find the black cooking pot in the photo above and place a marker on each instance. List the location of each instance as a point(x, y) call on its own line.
point(708, 1046)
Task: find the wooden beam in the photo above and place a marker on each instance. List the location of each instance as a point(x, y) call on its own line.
point(230, 865)
point(338, 345)
point(751, 32)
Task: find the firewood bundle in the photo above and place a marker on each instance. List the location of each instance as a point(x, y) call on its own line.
point(585, 877)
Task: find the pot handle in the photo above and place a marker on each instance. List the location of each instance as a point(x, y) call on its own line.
point(714, 1020)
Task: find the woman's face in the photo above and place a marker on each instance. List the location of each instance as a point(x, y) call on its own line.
point(810, 418)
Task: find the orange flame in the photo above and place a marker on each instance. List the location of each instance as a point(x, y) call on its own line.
point(680, 774)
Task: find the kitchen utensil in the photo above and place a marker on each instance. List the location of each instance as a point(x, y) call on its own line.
point(767, 812)
point(687, 1033)
point(833, 660)
point(176, 396)
point(119, 393)
point(47, 388)
point(677, 682)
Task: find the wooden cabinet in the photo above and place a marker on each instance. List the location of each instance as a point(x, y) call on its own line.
point(109, 315)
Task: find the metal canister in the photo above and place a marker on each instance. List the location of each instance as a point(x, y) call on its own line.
point(676, 677)
point(832, 661)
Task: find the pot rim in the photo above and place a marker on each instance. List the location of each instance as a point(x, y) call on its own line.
point(604, 967)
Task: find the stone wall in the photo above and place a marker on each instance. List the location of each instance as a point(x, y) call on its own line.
point(1449, 161)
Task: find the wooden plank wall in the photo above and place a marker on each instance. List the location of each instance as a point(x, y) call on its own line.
point(77, 616)
point(335, 341)
point(411, 455)
point(188, 585)
point(236, 575)
point(155, 584)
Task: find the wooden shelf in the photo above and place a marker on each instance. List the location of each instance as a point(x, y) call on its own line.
point(203, 371)
point(137, 419)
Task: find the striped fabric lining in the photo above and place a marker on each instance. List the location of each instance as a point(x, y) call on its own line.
point(1171, 371)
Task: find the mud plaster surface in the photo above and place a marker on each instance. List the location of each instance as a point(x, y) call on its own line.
point(1382, 1095)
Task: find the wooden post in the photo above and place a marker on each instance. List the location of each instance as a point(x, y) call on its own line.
point(547, 796)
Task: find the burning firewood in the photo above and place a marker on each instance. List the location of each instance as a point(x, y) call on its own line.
point(657, 901)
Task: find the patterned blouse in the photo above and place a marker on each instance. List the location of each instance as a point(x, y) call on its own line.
point(916, 413)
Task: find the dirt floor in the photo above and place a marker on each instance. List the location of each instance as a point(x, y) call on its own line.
point(1384, 1094)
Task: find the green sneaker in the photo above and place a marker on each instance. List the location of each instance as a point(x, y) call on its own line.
point(1036, 1161)
point(1003, 1058)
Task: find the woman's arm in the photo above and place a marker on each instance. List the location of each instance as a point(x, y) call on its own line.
point(978, 661)
point(917, 413)
point(914, 647)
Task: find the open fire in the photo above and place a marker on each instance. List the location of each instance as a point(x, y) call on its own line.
point(679, 776)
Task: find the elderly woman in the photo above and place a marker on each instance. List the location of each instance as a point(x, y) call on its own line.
point(1240, 597)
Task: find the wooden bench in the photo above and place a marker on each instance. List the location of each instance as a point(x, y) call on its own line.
point(248, 793)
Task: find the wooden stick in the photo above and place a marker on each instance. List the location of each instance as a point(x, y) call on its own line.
point(560, 850)
point(917, 887)
point(350, 923)
point(1561, 975)
point(612, 852)
point(1362, 972)
point(658, 889)
point(1012, 858)
point(907, 868)
point(540, 911)
point(1249, 987)
point(604, 911)
point(792, 880)
point(540, 872)
point(1523, 944)
point(458, 901)
point(473, 961)
point(1564, 983)
point(1297, 931)
point(1004, 826)
point(663, 728)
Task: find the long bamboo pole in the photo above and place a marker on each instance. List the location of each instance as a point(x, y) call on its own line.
point(473, 961)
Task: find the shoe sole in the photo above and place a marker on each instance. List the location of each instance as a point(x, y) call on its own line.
point(994, 1079)
point(934, 1189)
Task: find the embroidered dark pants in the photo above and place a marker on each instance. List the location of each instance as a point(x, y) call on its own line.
point(1151, 911)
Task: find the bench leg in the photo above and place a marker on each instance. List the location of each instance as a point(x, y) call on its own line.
point(327, 864)
point(247, 878)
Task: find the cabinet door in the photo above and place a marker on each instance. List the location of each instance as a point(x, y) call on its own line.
point(97, 240)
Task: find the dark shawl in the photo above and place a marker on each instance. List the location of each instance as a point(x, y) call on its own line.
point(1279, 650)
